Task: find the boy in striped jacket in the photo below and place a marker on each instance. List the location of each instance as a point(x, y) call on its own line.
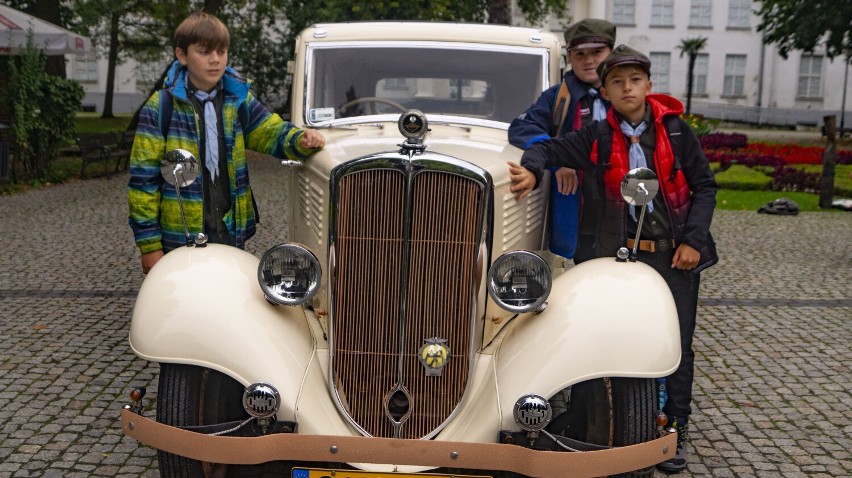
point(211, 113)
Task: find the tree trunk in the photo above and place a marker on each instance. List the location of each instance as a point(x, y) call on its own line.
point(212, 6)
point(112, 59)
point(689, 81)
point(48, 10)
point(826, 181)
point(500, 12)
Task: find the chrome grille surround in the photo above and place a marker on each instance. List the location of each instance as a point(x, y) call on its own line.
point(408, 242)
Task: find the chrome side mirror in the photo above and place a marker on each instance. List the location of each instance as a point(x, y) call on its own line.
point(638, 188)
point(179, 168)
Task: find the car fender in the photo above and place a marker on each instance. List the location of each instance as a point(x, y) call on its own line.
point(604, 318)
point(203, 306)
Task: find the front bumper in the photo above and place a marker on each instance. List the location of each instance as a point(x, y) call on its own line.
point(432, 453)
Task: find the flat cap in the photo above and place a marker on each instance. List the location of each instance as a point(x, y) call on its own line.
point(620, 56)
point(590, 33)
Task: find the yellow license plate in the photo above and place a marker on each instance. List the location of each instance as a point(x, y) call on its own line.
point(323, 473)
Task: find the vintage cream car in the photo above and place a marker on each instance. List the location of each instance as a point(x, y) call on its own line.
point(408, 326)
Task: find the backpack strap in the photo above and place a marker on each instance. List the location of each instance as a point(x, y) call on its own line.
point(560, 109)
point(166, 107)
point(603, 131)
point(674, 131)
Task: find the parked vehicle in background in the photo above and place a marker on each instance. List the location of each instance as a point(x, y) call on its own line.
point(408, 326)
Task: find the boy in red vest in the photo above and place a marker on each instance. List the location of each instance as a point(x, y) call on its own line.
point(644, 130)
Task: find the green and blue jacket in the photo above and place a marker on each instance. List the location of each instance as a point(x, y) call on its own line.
point(154, 210)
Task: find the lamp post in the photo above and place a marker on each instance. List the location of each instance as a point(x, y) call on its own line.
point(843, 103)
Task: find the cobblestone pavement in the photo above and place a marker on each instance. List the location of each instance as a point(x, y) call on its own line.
point(773, 391)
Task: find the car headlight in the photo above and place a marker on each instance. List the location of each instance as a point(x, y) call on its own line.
point(261, 400)
point(532, 412)
point(519, 281)
point(289, 274)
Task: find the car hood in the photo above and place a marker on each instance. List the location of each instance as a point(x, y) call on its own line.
point(485, 147)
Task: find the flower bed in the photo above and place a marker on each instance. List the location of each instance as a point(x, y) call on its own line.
point(729, 149)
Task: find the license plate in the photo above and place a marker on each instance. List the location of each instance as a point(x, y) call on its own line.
point(328, 473)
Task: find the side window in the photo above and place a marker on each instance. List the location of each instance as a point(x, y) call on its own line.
point(700, 13)
point(810, 77)
point(660, 71)
point(738, 13)
point(699, 74)
point(624, 12)
point(86, 68)
point(734, 75)
point(662, 13)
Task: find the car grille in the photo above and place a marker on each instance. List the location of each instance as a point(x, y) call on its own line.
point(404, 257)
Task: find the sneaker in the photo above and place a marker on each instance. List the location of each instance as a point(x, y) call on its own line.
point(678, 462)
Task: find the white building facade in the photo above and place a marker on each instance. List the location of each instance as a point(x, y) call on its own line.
point(131, 82)
point(736, 77)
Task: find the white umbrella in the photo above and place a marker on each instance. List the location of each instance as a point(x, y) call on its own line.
point(51, 39)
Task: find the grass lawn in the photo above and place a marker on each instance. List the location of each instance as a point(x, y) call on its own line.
point(732, 200)
point(93, 123)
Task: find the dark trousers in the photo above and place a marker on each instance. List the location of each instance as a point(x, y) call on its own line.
point(684, 287)
point(585, 248)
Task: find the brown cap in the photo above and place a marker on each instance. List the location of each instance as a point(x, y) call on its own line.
point(590, 33)
point(620, 56)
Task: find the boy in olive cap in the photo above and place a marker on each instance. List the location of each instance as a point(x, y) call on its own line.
point(644, 130)
point(568, 106)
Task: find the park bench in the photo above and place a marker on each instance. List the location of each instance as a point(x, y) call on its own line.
point(104, 148)
point(122, 152)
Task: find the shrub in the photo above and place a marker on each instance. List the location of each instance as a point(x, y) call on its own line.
point(788, 178)
point(700, 126)
point(44, 109)
point(743, 178)
point(716, 141)
point(727, 158)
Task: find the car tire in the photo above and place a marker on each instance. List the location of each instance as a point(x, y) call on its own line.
point(634, 415)
point(190, 396)
point(611, 412)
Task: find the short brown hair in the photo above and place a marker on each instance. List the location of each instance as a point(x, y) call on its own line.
point(204, 29)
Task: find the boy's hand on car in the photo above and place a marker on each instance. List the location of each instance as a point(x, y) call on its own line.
point(149, 259)
point(523, 180)
point(312, 139)
point(566, 180)
point(686, 257)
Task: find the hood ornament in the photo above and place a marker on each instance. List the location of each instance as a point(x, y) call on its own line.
point(414, 126)
point(434, 355)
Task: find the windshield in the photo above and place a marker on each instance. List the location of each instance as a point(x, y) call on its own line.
point(465, 80)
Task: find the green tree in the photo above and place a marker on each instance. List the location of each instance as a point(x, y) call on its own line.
point(43, 111)
point(807, 24)
point(691, 47)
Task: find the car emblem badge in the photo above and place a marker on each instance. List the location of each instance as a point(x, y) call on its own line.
point(434, 355)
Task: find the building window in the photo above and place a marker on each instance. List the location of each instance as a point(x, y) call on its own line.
point(660, 71)
point(734, 75)
point(85, 67)
point(739, 12)
point(147, 74)
point(662, 13)
point(699, 13)
point(699, 74)
point(624, 12)
point(810, 77)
